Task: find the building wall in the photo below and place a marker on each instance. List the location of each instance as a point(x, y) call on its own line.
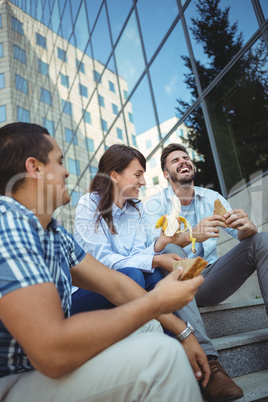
point(148, 50)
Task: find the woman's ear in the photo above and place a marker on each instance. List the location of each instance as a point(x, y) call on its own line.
point(114, 176)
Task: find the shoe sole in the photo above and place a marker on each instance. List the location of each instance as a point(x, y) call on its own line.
point(231, 398)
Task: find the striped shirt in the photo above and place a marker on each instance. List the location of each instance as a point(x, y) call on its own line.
point(31, 255)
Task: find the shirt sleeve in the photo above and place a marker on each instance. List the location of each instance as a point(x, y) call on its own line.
point(155, 207)
point(98, 242)
point(22, 262)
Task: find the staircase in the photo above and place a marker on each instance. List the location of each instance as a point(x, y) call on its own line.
point(239, 332)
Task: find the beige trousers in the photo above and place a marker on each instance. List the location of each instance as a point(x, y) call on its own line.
point(146, 366)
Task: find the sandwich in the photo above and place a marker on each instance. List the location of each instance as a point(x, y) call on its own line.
point(191, 267)
point(219, 209)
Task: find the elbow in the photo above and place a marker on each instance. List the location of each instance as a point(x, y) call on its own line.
point(54, 366)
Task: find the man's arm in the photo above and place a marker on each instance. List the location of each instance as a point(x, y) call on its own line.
point(57, 346)
point(92, 275)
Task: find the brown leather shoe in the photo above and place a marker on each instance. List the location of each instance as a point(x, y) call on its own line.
point(221, 387)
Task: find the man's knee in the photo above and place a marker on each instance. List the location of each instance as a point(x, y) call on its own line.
point(174, 248)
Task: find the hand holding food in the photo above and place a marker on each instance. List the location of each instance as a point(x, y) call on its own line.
point(191, 267)
point(171, 223)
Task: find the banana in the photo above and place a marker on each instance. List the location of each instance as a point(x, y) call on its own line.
point(170, 224)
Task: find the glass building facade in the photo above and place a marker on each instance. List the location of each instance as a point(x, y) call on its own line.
point(99, 72)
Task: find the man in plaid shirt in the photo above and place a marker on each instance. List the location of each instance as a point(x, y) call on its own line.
point(46, 355)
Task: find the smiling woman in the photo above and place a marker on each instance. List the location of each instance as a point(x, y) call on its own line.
point(109, 225)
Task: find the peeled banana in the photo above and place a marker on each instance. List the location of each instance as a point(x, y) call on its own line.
point(170, 224)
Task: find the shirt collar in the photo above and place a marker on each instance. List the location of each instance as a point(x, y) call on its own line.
point(14, 204)
point(198, 191)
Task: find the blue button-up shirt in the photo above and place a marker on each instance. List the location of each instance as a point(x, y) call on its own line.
point(31, 255)
point(160, 204)
point(124, 249)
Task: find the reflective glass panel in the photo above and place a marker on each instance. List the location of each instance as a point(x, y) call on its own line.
point(93, 7)
point(81, 29)
point(101, 41)
point(214, 37)
point(139, 111)
point(168, 75)
point(118, 11)
point(238, 113)
point(128, 54)
point(264, 5)
point(155, 16)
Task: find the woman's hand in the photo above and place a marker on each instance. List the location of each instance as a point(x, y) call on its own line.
point(165, 261)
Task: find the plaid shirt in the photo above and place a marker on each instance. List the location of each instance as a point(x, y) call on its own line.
point(31, 255)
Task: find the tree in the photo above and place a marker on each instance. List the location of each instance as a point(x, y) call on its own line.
point(238, 104)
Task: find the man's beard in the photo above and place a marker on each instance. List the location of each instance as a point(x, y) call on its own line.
point(176, 179)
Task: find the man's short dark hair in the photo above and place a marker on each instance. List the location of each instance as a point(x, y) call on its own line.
point(167, 150)
point(19, 141)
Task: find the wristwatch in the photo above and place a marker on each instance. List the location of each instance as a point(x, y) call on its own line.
point(184, 334)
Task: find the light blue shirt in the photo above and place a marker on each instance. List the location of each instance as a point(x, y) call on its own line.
point(160, 204)
point(126, 248)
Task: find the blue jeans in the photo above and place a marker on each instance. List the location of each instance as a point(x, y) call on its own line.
point(85, 300)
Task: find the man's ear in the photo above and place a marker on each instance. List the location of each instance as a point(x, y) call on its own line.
point(114, 176)
point(32, 166)
point(166, 174)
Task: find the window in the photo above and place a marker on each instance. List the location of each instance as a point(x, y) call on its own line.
point(115, 108)
point(69, 136)
point(125, 94)
point(40, 40)
point(119, 133)
point(152, 162)
point(19, 54)
point(1, 50)
point(111, 86)
point(101, 100)
point(64, 80)
point(43, 68)
point(17, 25)
point(62, 55)
point(2, 80)
point(49, 125)
point(45, 96)
point(87, 116)
point(90, 144)
point(180, 133)
point(83, 91)
point(0, 20)
point(148, 144)
point(96, 76)
point(75, 197)
point(130, 117)
point(93, 170)
point(21, 84)
point(155, 180)
point(134, 140)
point(73, 166)
point(23, 115)
point(104, 125)
point(80, 66)
point(67, 107)
point(3, 113)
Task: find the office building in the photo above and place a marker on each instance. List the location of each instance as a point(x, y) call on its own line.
point(96, 72)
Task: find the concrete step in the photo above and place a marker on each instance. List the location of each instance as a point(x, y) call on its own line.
point(233, 318)
point(254, 385)
point(244, 353)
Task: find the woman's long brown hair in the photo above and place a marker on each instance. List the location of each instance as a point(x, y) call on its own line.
point(117, 157)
